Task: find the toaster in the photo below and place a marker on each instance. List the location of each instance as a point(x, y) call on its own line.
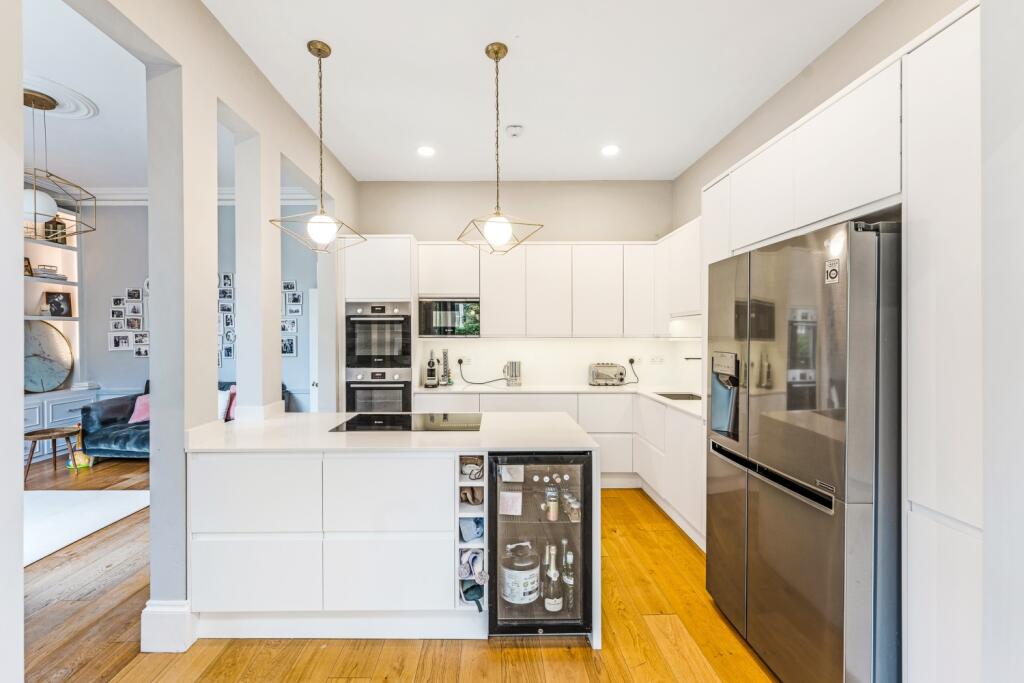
point(607, 374)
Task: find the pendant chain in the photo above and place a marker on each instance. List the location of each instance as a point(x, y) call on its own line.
point(497, 143)
point(320, 112)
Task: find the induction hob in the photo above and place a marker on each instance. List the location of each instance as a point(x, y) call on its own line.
point(411, 422)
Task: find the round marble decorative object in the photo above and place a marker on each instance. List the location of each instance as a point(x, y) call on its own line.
point(48, 357)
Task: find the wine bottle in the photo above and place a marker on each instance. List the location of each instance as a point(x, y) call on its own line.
point(569, 579)
point(552, 584)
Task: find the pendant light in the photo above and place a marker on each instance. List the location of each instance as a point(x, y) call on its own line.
point(317, 230)
point(497, 232)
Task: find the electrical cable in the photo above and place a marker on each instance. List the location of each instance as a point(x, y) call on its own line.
point(490, 381)
point(633, 368)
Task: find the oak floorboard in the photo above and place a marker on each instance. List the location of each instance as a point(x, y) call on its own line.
point(565, 659)
point(397, 661)
point(521, 660)
point(439, 661)
point(480, 661)
point(357, 659)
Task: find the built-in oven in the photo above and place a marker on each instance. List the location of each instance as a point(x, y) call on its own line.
point(449, 317)
point(373, 390)
point(378, 335)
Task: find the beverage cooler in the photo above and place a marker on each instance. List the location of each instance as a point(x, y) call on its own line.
point(540, 543)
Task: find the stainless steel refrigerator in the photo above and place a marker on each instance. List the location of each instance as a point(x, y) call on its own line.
point(803, 523)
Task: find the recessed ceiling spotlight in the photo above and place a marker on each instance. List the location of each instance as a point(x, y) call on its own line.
point(426, 151)
point(610, 151)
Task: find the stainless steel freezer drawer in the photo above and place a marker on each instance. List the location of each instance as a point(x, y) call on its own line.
point(727, 537)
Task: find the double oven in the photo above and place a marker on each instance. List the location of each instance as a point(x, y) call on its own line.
point(378, 357)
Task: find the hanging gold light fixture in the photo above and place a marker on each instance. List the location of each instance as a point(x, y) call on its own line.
point(318, 230)
point(497, 232)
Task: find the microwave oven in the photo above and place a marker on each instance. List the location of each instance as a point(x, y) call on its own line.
point(449, 318)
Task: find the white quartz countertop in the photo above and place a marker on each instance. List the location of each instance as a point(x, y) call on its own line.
point(691, 407)
point(290, 432)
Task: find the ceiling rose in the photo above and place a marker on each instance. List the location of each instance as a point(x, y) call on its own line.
point(71, 104)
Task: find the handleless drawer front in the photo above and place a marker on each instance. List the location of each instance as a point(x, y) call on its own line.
point(541, 403)
point(616, 452)
point(649, 421)
point(257, 572)
point(606, 413)
point(33, 416)
point(256, 492)
point(389, 492)
point(396, 571)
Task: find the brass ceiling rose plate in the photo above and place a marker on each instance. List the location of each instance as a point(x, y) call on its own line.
point(319, 49)
point(39, 100)
point(496, 51)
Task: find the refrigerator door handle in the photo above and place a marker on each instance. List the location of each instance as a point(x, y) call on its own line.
point(732, 456)
point(804, 494)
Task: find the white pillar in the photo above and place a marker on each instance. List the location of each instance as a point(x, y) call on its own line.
point(257, 278)
point(12, 249)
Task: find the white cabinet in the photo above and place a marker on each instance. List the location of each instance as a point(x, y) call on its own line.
point(543, 403)
point(638, 290)
point(715, 221)
point(389, 492)
point(684, 260)
point(597, 290)
point(395, 572)
point(548, 290)
point(662, 285)
point(848, 155)
point(761, 197)
point(503, 294)
point(255, 492)
point(379, 269)
point(449, 270)
point(446, 403)
point(649, 421)
point(685, 483)
point(649, 462)
point(616, 452)
point(606, 413)
point(256, 572)
point(942, 269)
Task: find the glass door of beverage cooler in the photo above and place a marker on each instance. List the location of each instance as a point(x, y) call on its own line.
point(539, 541)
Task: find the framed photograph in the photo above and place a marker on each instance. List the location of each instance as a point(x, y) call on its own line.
point(140, 338)
point(293, 298)
point(289, 325)
point(117, 314)
point(28, 267)
point(116, 325)
point(145, 286)
point(133, 323)
point(119, 341)
point(220, 361)
point(229, 320)
point(289, 347)
point(227, 280)
point(59, 304)
point(226, 306)
point(229, 351)
point(133, 308)
point(142, 351)
point(133, 294)
point(226, 294)
point(288, 286)
point(293, 309)
point(117, 302)
point(230, 336)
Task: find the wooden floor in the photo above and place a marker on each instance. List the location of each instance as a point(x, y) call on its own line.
point(105, 474)
point(83, 603)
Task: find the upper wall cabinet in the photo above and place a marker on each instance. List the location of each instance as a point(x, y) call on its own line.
point(684, 270)
point(849, 154)
point(597, 290)
point(449, 270)
point(761, 202)
point(548, 290)
point(503, 294)
point(714, 221)
point(638, 290)
point(379, 269)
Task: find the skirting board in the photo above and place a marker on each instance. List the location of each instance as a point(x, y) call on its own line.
point(620, 480)
point(168, 626)
point(459, 625)
point(680, 521)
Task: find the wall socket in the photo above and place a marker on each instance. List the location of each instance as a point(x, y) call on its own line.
point(466, 360)
point(657, 360)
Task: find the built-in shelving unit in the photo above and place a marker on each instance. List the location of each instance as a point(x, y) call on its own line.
point(464, 510)
point(51, 281)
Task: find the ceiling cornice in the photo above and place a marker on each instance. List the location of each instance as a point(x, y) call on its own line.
point(139, 196)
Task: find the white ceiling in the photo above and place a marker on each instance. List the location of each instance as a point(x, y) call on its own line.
point(663, 79)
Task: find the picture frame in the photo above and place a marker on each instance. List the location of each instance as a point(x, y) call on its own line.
point(293, 309)
point(133, 294)
point(229, 320)
point(133, 308)
point(293, 298)
point(226, 294)
point(226, 306)
point(289, 325)
point(119, 341)
point(289, 286)
point(289, 346)
point(58, 303)
point(229, 352)
point(140, 338)
point(230, 336)
point(227, 280)
point(220, 361)
point(145, 286)
point(117, 314)
point(142, 351)
point(117, 302)
point(116, 325)
point(133, 323)
point(28, 268)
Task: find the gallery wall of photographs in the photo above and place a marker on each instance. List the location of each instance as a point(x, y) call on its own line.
point(129, 321)
point(292, 302)
point(291, 311)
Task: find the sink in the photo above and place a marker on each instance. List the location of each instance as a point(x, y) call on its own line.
point(680, 397)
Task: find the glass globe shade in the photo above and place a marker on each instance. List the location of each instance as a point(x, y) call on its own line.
point(498, 231)
point(37, 206)
point(321, 229)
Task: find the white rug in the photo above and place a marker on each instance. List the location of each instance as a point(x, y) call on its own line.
point(54, 519)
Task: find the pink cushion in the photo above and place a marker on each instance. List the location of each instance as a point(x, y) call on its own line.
point(141, 411)
point(232, 400)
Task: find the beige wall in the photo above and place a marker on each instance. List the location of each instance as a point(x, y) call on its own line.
point(879, 34)
point(604, 210)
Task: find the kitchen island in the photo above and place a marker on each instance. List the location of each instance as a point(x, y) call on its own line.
point(298, 531)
